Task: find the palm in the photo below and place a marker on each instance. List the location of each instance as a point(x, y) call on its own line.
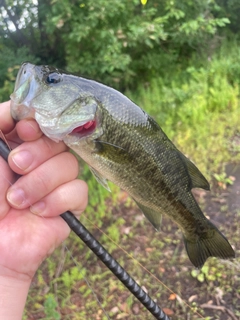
point(24, 244)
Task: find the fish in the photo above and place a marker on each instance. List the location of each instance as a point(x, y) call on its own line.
point(121, 143)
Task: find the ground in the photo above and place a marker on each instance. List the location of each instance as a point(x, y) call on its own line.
point(160, 265)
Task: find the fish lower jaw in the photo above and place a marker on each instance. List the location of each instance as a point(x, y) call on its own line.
point(74, 140)
point(21, 111)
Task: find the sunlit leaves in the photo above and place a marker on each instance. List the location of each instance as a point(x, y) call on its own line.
point(111, 41)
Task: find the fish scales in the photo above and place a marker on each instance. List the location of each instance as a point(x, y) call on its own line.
point(146, 182)
point(120, 142)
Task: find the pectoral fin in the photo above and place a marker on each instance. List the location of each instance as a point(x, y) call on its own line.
point(153, 216)
point(100, 179)
point(197, 178)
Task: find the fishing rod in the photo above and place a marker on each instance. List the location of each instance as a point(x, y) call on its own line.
point(78, 228)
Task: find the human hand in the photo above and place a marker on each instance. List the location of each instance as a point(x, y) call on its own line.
point(30, 226)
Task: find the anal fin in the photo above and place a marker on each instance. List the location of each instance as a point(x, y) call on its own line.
point(153, 216)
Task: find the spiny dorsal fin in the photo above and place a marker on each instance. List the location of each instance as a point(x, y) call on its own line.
point(100, 178)
point(153, 216)
point(197, 178)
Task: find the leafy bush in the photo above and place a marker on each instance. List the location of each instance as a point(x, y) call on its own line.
point(9, 65)
point(116, 42)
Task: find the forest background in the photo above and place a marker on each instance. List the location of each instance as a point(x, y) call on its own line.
point(180, 61)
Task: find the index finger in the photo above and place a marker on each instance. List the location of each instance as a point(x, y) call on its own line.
point(6, 121)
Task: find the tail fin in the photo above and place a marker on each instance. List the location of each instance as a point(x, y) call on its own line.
point(212, 244)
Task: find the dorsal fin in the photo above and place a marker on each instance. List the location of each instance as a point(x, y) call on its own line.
point(197, 178)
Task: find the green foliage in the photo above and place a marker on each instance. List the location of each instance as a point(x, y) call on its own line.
point(70, 277)
point(231, 9)
point(9, 64)
point(50, 306)
point(113, 232)
point(208, 273)
point(97, 208)
point(6, 90)
point(111, 41)
point(13, 59)
point(223, 180)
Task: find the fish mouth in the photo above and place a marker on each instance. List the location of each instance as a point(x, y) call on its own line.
point(57, 131)
point(85, 129)
point(25, 89)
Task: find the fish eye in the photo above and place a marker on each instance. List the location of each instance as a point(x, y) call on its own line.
point(53, 78)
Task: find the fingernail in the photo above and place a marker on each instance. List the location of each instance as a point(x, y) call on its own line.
point(22, 159)
point(16, 197)
point(38, 207)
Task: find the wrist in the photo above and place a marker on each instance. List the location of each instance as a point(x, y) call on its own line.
point(13, 295)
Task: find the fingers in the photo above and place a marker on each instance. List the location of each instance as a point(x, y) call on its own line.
point(70, 196)
point(25, 130)
point(7, 125)
point(30, 155)
point(28, 130)
point(48, 185)
point(6, 121)
point(44, 179)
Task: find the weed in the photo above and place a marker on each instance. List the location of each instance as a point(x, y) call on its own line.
point(209, 273)
point(50, 306)
point(113, 232)
point(223, 180)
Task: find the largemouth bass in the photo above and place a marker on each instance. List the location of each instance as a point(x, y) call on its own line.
point(121, 143)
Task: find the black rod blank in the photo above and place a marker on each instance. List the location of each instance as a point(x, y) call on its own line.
point(77, 227)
